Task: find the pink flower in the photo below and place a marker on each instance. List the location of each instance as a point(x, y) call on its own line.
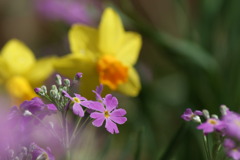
point(211, 125)
point(232, 150)
point(188, 115)
point(107, 111)
point(78, 102)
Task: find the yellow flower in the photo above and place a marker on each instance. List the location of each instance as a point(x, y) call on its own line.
point(20, 72)
point(105, 55)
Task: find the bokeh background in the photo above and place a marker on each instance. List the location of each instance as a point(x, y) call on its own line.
point(190, 58)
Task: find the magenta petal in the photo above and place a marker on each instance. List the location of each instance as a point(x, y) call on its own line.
point(98, 122)
point(80, 97)
point(110, 102)
point(199, 113)
point(119, 112)
point(188, 111)
point(67, 95)
point(96, 106)
point(207, 128)
point(96, 115)
point(111, 127)
point(77, 109)
point(85, 103)
point(52, 107)
point(119, 120)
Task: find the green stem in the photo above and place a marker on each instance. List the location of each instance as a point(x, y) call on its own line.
point(75, 129)
point(83, 124)
point(66, 137)
point(206, 147)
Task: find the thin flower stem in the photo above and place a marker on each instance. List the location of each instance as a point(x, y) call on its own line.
point(206, 147)
point(75, 129)
point(83, 124)
point(66, 136)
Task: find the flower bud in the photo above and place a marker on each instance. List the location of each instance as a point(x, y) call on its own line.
point(58, 80)
point(214, 116)
point(65, 88)
point(53, 93)
point(37, 90)
point(196, 119)
point(44, 89)
point(54, 88)
point(58, 96)
point(224, 109)
point(78, 76)
point(206, 114)
point(67, 82)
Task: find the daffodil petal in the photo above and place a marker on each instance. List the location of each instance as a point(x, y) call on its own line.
point(130, 48)
point(4, 71)
point(111, 32)
point(71, 64)
point(20, 89)
point(41, 71)
point(18, 57)
point(83, 38)
point(132, 86)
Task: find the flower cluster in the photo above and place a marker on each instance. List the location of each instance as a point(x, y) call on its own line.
point(227, 128)
point(31, 152)
point(27, 121)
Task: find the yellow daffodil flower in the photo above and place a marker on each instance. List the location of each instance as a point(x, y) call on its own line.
point(20, 72)
point(105, 55)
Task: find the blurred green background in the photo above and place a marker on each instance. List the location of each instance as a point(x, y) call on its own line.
point(190, 58)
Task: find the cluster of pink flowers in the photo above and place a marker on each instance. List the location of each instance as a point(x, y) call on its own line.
point(105, 109)
point(30, 116)
point(227, 126)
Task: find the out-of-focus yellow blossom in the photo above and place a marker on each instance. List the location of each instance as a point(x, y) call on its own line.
point(105, 55)
point(20, 72)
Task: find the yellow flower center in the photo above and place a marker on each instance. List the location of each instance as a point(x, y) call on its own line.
point(76, 100)
point(20, 89)
point(211, 121)
point(106, 114)
point(111, 71)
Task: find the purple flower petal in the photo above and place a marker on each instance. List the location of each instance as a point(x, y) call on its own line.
point(98, 92)
point(110, 102)
point(67, 95)
point(52, 107)
point(96, 115)
point(197, 112)
point(77, 109)
point(118, 112)
point(111, 127)
point(188, 111)
point(99, 89)
point(229, 144)
point(80, 97)
point(37, 151)
point(119, 120)
point(85, 103)
point(96, 106)
point(78, 75)
point(234, 153)
point(98, 122)
point(206, 128)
